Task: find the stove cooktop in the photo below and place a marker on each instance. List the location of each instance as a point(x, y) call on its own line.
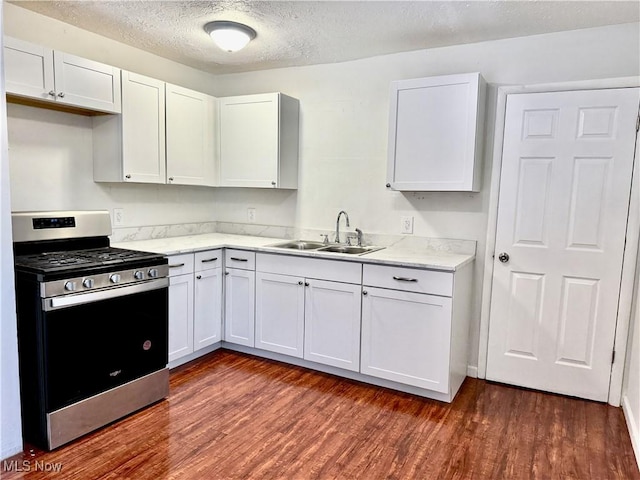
point(79, 260)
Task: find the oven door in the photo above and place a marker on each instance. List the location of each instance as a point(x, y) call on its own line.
point(96, 341)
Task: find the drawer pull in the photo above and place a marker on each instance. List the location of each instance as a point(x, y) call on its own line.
point(199, 277)
point(240, 259)
point(405, 279)
point(176, 265)
point(208, 260)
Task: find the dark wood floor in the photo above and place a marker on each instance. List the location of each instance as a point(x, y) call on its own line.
point(233, 416)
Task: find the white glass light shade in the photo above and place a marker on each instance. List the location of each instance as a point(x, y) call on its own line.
point(230, 36)
point(230, 40)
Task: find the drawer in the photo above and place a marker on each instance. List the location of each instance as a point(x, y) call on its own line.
point(241, 259)
point(416, 280)
point(332, 270)
point(208, 260)
point(180, 264)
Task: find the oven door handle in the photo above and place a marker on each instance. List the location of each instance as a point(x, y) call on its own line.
point(57, 303)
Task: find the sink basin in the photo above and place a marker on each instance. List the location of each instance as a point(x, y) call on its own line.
point(299, 245)
point(348, 249)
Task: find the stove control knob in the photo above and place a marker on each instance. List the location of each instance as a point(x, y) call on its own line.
point(115, 278)
point(70, 286)
point(88, 283)
point(138, 275)
point(153, 273)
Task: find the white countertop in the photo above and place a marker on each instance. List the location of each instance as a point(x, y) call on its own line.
point(404, 257)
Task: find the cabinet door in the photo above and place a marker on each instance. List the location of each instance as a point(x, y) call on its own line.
point(190, 137)
point(239, 325)
point(143, 129)
point(280, 314)
point(406, 337)
point(207, 316)
point(249, 141)
point(85, 83)
point(180, 316)
point(435, 133)
point(332, 324)
point(28, 69)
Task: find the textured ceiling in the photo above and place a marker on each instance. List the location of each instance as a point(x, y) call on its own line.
point(311, 32)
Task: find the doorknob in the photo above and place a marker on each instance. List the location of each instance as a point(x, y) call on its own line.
point(503, 257)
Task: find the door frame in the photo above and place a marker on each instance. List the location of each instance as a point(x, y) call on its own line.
point(632, 240)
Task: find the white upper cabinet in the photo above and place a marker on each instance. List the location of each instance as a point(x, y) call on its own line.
point(54, 77)
point(435, 133)
point(165, 135)
point(259, 141)
point(190, 137)
point(131, 146)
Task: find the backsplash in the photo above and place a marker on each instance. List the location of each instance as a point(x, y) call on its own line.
point(408, 242)
point(129, 234)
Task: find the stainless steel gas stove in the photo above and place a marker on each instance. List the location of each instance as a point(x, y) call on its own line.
point(92, 325)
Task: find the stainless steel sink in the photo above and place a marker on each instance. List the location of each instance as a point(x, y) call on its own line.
point(348, 249)
point(323, 247)
point(299, 245)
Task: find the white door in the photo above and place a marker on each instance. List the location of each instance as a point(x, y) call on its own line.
point(280, 313)
point(190, 137)
point(562, 215)
point(239, 316)
point(207, 315)
point(332, 324)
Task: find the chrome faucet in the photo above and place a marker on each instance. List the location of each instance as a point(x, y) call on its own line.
point(359, 233)
point(346, 216)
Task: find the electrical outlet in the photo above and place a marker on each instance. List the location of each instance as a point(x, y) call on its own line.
point(251, 215)
point(406, 224)
point(118, 217)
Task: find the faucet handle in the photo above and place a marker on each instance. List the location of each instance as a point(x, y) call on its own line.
point(326, 238)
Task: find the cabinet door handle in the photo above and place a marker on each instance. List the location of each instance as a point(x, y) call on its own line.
point(199, 277)
point(226, 272)
point(208, 260)
point(176, 265)
point(240, 259)
point(52, 93)
point(300, 282)
point(364, 292)
point(306, 284)
point(61, 94)
point(405, 279)
point(127, 176)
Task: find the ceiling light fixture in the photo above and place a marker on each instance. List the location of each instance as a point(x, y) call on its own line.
point(230, 36)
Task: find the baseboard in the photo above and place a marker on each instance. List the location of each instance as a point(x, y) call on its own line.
point(10, 450)
point(632, 425)
point(472, 371)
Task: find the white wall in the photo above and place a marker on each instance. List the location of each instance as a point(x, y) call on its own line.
point(631, 388)
point(343, 131)
point(10, 433)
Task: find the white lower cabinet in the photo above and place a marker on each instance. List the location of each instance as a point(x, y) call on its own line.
point(398, 327)
point(302, 312)
point(207, 314)
point(195, 302)
point(280, 313)
point(180, 316)
point(405, 337)
point(332, 324)
point(239, 297)
point(415, 326)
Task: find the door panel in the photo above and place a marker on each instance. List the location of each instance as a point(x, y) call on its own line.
point(562, 216)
